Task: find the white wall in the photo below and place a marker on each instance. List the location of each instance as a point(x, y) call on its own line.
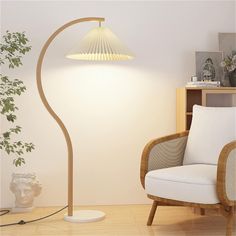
point(110, 109)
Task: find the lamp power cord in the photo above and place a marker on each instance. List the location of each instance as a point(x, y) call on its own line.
point(4, 212)
point(23, 222)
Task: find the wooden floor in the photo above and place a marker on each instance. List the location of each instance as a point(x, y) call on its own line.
point(120, 221)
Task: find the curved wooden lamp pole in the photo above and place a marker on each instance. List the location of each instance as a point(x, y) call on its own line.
point(50, 110)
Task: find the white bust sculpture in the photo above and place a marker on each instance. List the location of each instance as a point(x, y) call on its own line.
point(25, 187)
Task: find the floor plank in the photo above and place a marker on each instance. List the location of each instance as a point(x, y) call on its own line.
point(127, 220)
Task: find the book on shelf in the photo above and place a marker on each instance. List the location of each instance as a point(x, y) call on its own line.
point(203, 84)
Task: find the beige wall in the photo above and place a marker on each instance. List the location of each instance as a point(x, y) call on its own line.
point(111, 109)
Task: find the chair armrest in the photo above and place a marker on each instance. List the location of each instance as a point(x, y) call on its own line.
point(163, 152)
point(226, 175)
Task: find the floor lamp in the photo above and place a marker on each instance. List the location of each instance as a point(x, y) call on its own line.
point(100, 44)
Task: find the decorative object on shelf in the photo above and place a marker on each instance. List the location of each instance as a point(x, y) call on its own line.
point(203, 83)
point(208, 66)
point(229, 65)
point(194, 78)
point(232, 78)
point(227, 44)
point(25, 187)
point(92, 48)
point(12, 47)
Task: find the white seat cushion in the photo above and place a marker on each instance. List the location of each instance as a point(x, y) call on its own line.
point(189, 183)
point(211, 129)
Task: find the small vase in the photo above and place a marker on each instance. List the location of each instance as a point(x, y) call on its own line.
point(232, 78)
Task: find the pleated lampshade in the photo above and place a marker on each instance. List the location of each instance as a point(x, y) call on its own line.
point(100, 44)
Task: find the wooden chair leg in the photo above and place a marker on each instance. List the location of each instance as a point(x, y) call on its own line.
point(202, 211)
point(230, 220)
point(152, 213)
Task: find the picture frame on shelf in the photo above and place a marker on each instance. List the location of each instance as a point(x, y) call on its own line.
point(208, 65)
point(227, 44)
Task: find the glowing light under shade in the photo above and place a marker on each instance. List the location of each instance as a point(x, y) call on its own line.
point(100, 44)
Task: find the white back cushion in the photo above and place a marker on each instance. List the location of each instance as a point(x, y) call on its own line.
point(211, 129)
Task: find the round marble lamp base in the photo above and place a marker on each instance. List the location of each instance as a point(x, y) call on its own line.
point(84, 216)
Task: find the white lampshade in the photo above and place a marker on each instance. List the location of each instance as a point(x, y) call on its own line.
point(100, 44)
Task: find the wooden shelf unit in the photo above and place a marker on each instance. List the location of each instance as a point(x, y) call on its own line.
point(205, 96)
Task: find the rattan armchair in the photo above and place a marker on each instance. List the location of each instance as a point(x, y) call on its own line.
point(163, 158)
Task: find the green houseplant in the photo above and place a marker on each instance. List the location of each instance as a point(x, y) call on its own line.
point(12, 47)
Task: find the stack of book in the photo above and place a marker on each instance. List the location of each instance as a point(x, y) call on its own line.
point(203, 84)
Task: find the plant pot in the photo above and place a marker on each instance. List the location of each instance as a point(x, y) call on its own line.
point(232, 79)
